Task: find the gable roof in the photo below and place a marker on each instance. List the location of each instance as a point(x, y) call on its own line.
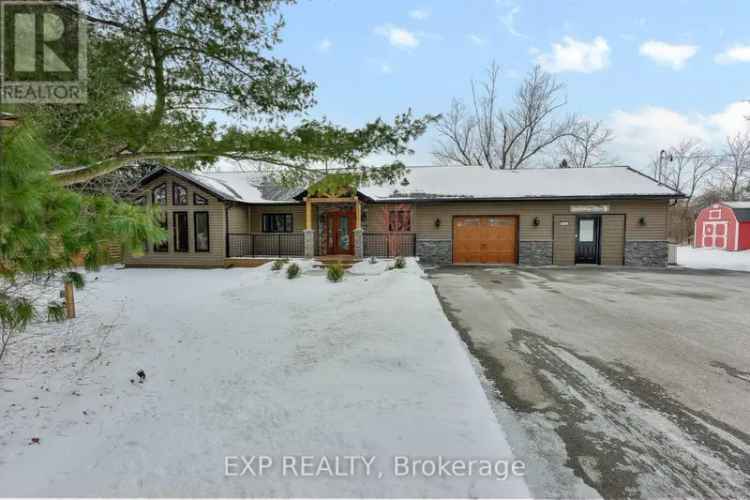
point(243, 187)
point(741, 209)
point(449, 183)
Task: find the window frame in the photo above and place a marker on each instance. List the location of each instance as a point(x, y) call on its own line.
point(140, 201)
point(196, 196)
point(163, 185)
point(175, 187)
point(267, 227)
point(175, 233)
point(195, 231)
point(163, 246)
point(399, 216)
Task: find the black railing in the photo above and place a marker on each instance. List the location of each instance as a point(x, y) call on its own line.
point(266, 244)
point(389, 244)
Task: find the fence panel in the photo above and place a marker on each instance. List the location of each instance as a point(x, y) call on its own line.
point(266, 244)
point(389, 244)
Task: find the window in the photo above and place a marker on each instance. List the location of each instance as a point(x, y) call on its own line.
point(277, 223)
point(179, 195)
point(160, 195)
point(200, 228)
point(199, 200)
point(140, 201)
point(586, 231)
point(714, 214)
point(180, 229)
point(162, 246)
point(399, 221)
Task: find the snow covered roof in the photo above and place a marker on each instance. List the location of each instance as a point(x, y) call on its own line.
point(741, 209)
point(246, 187)
point(737, 204)
point(450, 183)
point(482, 183)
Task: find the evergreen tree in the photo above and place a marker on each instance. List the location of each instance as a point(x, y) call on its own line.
point(43, 226)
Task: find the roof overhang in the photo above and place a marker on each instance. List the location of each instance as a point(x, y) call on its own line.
point(169, 170)
point(442, 199)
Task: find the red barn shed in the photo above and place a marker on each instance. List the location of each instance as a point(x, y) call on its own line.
point(724, 225)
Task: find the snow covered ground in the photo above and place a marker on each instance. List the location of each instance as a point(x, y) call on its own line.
point(706, 258)
point(244, 362)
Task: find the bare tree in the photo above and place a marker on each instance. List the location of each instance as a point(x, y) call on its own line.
point(736, 170)
point(691, 166)
point(585, 147)
point(485, 134)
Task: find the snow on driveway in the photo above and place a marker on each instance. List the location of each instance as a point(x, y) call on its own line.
point(244, 362)
point(708, 258)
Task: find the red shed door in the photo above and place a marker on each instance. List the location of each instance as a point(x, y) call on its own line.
point(715, 234)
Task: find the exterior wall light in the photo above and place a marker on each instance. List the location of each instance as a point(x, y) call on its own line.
point(642, 221)
point(537, 221)
point(437, 222)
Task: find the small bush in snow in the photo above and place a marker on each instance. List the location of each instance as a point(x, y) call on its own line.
point(55, 311)
point(335, 272)
point(292, 271)
point(400, 263)
point(277, 265)
point(373, 260)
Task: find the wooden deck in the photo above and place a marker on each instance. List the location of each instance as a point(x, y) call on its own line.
point(246, 261)
point(320, 261)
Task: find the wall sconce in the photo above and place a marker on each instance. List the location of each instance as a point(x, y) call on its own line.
point(437, 222)
point(642, 221)
point(537, 221)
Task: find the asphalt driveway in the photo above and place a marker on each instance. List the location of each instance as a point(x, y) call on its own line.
point(636, 382)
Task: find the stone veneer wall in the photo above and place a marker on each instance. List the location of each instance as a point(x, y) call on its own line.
point(535, 253)
point(646, 253)
point(435, 252)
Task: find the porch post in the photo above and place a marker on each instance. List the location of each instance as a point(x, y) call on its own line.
point(358, 235)
point(309, 234)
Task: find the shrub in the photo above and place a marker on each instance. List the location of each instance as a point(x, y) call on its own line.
point(277, 265)
point(292, 271)
point(335, 272)
point(400, 263)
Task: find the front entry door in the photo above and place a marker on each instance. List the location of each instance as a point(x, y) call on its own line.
point(587, 240)
point(340, 238)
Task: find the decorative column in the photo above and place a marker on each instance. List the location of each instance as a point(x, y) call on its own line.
point(359, 249)
point(309, 233)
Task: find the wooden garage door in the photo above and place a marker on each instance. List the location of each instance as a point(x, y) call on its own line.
point(484, 239)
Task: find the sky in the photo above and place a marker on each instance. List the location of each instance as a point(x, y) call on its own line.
point(654, 71)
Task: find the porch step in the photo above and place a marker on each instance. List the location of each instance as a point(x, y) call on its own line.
point(245, 262)
point(346, 261)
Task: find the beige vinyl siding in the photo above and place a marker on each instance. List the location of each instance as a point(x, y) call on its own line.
point(297, 211)
point(564, 245)
point(654, 214)
point(238, 220)
point(613, 240)
point(216, 222)
point(425, 214)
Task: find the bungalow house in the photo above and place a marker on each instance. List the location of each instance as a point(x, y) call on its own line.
point(444, 215)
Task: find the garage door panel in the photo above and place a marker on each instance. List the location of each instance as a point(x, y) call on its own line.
point(485, 239)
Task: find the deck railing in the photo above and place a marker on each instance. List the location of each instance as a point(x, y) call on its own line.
point(266, 244)
point(389, 244)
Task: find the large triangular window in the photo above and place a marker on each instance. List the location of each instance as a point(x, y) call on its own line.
point(199, 200)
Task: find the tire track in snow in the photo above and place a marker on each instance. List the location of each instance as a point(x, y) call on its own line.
point(625, 436)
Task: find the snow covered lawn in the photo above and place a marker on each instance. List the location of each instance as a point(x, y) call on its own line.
point(707, 258)
point(244, 362)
